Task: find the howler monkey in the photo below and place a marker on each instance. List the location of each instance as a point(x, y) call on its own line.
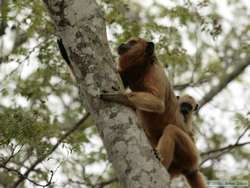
point(188, 105)
point(157, 109)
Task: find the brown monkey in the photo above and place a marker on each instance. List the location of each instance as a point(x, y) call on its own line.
point(188, 105)
point(157, 108)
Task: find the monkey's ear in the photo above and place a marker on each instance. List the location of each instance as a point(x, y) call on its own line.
point(150, 48)
point(196, 107)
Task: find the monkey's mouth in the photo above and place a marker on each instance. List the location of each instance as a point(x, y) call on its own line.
point(186, 108)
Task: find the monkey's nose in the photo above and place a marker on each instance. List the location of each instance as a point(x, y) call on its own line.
point(185, 108)
point(122, 49)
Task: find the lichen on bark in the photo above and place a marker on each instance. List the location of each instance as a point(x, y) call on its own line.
point(81, 25)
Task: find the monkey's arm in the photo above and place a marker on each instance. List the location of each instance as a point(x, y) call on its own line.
point(152, 99)
point(137, 100)
point(147, 102)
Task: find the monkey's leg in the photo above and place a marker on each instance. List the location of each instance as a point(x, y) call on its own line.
point(174, 140)
point(176, 144)
point(166, 145)
point(196, 179)
point(140, 100)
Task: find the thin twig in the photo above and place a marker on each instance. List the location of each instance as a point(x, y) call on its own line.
point(226, 149)
point(229, 147)
point(105, 183)
point(30, 180)
point(39, 160)
point(12, 155)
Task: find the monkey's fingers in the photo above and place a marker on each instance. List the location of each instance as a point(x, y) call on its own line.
point(113, 97)
point(157, 154)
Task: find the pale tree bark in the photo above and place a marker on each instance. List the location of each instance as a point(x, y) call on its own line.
point(81, 25)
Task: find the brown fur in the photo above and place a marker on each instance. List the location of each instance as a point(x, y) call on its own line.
point(188, 117)
point(195, 178)
point(157, 107)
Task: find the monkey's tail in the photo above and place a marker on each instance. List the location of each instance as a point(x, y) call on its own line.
point(65, 57)
point(196, 179)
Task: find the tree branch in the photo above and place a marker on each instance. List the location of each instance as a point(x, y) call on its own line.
point(25, 177)
point(238, 69)
point(81, 26)
point(39, 160)
point(229, 147)
point(223, 150)
point(13, 153)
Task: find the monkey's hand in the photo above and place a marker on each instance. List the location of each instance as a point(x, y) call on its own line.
point(113, 97)
point(117, 97)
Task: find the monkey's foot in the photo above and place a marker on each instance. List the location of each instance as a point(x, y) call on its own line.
point(157, 154)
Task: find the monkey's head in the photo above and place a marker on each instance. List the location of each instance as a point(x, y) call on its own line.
point(135, 52)
point(187, 104)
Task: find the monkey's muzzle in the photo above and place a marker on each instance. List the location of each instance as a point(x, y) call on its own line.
point(123, 48)
point(186, 108)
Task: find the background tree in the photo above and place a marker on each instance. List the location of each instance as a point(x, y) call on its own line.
point(205, 47)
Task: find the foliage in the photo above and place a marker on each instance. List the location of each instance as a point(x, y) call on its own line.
point(199, 44)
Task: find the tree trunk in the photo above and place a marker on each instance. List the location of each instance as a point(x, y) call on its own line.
point(81, 25)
